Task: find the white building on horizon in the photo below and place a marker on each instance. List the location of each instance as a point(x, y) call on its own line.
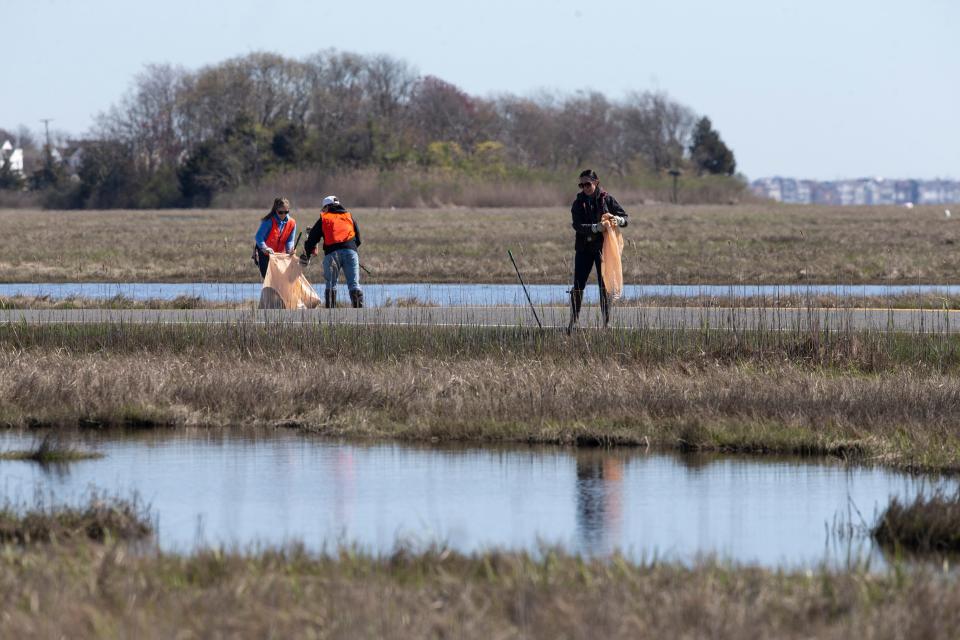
point(12, 155)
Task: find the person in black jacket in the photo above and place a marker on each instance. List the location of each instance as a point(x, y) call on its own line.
point(588, 210)
point(339, 234)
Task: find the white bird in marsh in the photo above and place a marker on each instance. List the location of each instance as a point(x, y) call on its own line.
point(946, 212)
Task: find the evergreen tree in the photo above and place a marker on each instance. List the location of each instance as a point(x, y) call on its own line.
point(708, 152)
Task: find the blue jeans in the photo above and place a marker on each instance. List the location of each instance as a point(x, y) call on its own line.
point(346, 259)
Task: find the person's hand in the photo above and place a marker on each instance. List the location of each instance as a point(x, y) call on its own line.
point(304, 259)
point(269, 251)
point(619, 220)
point(291, 252)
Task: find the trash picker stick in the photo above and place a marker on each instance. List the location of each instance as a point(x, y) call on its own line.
point(297, 243)
point(532, 308)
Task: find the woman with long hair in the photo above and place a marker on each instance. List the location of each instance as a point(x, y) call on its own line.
point(276, 234)
point(592, 210)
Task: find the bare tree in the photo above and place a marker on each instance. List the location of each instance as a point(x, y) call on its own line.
point(439, 111)
point(146, 118)
point(585, 130)
point(530, 130)
point(214, 98)
point(387, 83)
point(653, 127)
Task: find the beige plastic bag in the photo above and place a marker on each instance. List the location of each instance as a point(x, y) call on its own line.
point(285, 286)
point(611, 264)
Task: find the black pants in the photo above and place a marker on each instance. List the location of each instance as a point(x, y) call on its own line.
point(263, 260)
point(583, 264)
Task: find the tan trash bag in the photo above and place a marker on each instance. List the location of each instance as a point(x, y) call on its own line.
point(285, 286)
point(611, 264)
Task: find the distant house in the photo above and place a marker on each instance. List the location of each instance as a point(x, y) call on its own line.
point(13, 156)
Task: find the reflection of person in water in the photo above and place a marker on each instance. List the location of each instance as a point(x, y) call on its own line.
point(599, 503)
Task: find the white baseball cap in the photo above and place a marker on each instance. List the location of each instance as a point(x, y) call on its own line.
point(330, 200)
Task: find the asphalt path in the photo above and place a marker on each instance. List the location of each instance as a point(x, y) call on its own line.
point(729, 318)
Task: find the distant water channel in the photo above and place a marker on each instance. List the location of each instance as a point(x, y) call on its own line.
point(462, 294)
point(208, 488)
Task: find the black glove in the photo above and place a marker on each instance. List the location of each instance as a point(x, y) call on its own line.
point(304, 259)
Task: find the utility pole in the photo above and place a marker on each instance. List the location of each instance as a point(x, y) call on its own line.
point(48, 173)
point(46, 128)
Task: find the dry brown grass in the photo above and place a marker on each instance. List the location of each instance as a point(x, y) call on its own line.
point(89, 591)
point(118, 302)
point(750, 244)
point(437, 188)
point(799, 301)
point(53, 449)
point(876, 401)
point(925, 524)
point(99, 520)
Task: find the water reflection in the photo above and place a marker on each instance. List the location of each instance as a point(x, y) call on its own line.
point(599, 502)
point(278, 487)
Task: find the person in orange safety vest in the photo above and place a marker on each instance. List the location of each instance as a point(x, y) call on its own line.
point(276, 234)
point(340, 235)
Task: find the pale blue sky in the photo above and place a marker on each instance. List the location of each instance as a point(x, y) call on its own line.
point(806, 88)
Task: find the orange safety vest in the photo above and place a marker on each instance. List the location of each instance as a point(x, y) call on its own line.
point(337, 228)
point(276, 239)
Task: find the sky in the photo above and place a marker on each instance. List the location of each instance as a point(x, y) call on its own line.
point(816, 89)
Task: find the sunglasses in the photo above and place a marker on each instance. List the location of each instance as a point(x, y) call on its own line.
point(283, 212)
point(584, 185)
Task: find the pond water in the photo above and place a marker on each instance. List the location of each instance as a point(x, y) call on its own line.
point(461, 294)
point(209, 488)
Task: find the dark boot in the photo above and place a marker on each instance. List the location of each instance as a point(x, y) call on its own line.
point(605, 307)
point(330, 298)
point(356, 299)
point(576, 299)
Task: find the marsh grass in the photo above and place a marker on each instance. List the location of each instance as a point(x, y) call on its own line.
point(118, 302)
point(53, 448)
point(868, 396)
point(928, 523)
point(801, 301)
point(838, 348)
point(749, 244)
point(99, 520)
point(86, 590)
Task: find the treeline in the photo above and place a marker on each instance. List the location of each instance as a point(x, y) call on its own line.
point(180, 138)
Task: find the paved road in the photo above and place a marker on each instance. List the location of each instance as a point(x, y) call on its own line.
point(912, 320)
